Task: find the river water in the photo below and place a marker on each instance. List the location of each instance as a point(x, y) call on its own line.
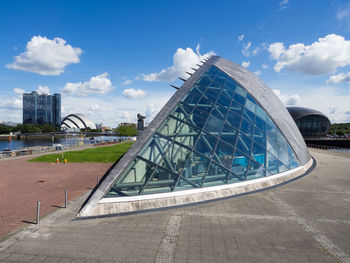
point(66, 141)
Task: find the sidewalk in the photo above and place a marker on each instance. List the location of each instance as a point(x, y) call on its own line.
point(306, 220)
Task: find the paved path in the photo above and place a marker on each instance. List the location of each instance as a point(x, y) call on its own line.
point(307, 220)
point(23, 183)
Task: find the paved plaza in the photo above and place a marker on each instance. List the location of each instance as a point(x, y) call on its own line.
point(307, 220)
point(23, 183)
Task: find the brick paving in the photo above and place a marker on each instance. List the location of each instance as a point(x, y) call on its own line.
point(23, 183)
point(307, 220)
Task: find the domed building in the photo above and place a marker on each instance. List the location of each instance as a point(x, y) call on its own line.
point(77, 122)
point(312, 124)
point(223, 133)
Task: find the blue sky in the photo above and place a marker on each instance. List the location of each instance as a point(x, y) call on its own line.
point(114, 59)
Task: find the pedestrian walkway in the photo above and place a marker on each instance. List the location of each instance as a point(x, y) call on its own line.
point(307, 220)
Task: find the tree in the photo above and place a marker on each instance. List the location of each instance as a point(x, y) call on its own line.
point(126, 130)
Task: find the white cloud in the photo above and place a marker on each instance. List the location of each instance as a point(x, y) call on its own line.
point(240, 38)
point(19, 91)
point(333, 102)
point(283, 4)
point(11, 104)
point(45, 56)
point(264, 66)
point(100, 84)
point(133, 94)
point(43, 90)
point(343, 11)
point(258, 72)
point(151, 112)
point(342, 77)
point(183, 60)
point(321, 57)
point(127, 82)
point(246, 51)
point(245, 64)
point(276, 50)
point(94, 107)
point(288, 100)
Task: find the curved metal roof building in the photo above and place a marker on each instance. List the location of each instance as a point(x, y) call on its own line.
point(77, 121)
point(223, 133)
point(311, 123)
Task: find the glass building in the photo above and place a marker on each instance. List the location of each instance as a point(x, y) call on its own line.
point(41, 109)
point(311, 123)
point(213, 134)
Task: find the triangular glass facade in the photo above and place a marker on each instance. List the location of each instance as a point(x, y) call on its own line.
point(218, 134)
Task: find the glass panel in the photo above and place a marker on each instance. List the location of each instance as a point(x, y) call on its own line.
point(224, 99)
point(214, 125)
point(260, 137)
point(244, 144)
point(260, 123)
point(248, 115)
point(175, 158)
point(282, 150)
point(234, 120)
point(238, 98)
point(193, 96)
point(241, 91)
point(293, 161)
point(274, 166)
point(205, 104)
point(225, 154)
point(250, 105)
point(198, 118)
point(187, 135)
point(219, 111)
point(204, 81)
point(212, 93)
point(133, 180)
point(247, 128)
point(236, 108)
point(251, 99)
point(259, 154)
point(229, 135)
point(194, 171)
point(255, 171)
point(170, 127)
point(162, 181)
point(260, 112)
point(240, 165)
point(216, 175)
point(206, 144)
point(155, 149)
point(233, 178)
point(230, 87)
point(220, 79)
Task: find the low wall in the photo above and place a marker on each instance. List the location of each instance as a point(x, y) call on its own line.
point(108, 206)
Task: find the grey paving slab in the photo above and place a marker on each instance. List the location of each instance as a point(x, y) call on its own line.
point(307, 220)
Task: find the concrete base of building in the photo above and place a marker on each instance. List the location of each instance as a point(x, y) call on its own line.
point(120, 205)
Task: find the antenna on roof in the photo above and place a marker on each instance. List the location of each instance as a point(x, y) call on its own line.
point(189, 73)
point(198, 65)
point(181, 79)
point(174, 87)
point(194, 69)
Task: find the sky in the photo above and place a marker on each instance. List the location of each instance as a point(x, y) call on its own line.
point(113, 59)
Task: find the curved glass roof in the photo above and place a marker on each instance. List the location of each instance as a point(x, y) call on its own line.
point(218, 134)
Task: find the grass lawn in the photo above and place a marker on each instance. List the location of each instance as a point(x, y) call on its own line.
point(105, 154)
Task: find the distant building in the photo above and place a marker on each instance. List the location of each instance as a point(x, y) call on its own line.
point(41, 109)
point(77, 122)
point(311, 123)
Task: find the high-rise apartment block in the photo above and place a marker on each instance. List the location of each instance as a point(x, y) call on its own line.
point(42, 109)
